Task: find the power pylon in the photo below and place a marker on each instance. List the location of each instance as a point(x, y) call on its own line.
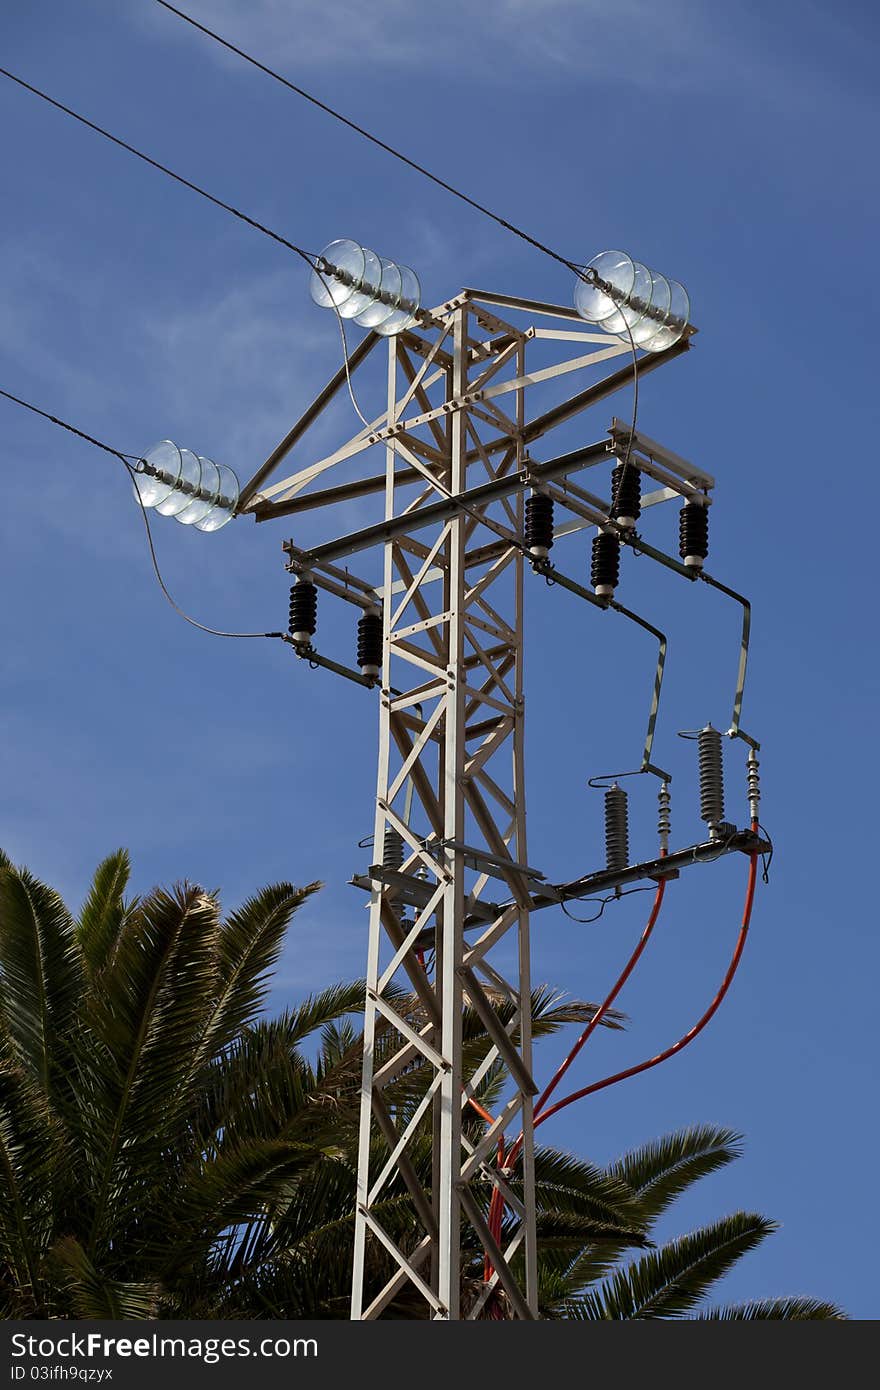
point(451, 888)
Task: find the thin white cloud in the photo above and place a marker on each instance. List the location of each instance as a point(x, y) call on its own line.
point(34, 283)
point(623, 49)
point(628, 41)
point(241, 359)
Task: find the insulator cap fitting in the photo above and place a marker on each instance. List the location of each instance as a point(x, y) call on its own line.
point(616, 829)
point(626, 490)
point(693, 534)
point(605, 564)
point(539, 525)
point(303, 610)
point(369, 644)
point(709, 749)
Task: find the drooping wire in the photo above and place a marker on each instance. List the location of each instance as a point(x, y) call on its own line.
point(585, 921)
point(307, 256)
point(319, 271)
point(214, 631)
point(374, 139)
point(132, 470)
point(609, 898)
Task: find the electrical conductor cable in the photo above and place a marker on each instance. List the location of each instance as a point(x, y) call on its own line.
point(125, 460)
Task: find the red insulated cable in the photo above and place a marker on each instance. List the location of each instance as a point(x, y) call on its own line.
point(698, 1026)
point(608, 1001)
point(490, 1120)
point(496, 1206)
point(496, 1210)
point(600, 1012)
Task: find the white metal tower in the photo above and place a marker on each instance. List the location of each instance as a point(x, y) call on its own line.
point(450, 916)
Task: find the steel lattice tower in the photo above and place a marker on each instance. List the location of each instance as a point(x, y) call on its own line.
point(452, 919)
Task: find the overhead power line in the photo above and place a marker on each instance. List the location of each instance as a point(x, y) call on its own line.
point(71, 429)
point(374, 139)
point(163, 168)
point(131, 468)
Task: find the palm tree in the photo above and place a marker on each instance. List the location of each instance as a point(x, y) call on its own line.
point(168, 1151)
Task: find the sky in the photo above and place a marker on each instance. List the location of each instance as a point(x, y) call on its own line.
point(731, 147)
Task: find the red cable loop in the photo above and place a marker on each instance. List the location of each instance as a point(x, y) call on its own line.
point(496, 1208)
point(600, 1012)
point(497, 1204)
point(698, 1026)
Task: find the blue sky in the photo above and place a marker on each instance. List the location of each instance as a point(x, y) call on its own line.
point(734, 148)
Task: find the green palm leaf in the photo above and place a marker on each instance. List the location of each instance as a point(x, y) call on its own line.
point(660, 1171)
point(668, 1282)
point(29, 1155)
point(104, 910)
point(41, 968)
point(143, 1026)
point(567, 1184)
point(327, 1006)
point(93, 1295)
point(248, 947)
point(777, 1309)
point(224, 1193)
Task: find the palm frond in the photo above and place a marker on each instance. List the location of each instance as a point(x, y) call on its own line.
point(41, 973)
point(322, 1008)
point(257, 1090)
point(659, 1172)
point(668, 1282)
point(551, 1008)
point(569, 1233)
point(93, 1295)
point(30, 1152)
point(143, 1026)
point(229, 1191)
point(775, 1309)
point(338, 1039)
point(249, 943)
point(103, 910)
point(568, 1184)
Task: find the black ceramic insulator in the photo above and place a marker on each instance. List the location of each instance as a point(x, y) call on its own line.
point(539, 523)
point(392, 848)
point(369, 642)
point(605, 566)
point(626, 489)
point(711, 776)
point(616, 829)
point(693, 530)
point(303, 607)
